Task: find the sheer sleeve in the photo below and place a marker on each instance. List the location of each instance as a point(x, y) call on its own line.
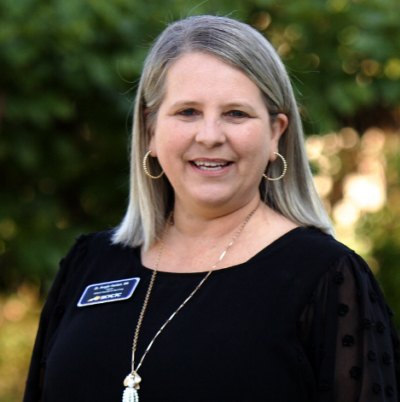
point(349, 336)
point(50, 318)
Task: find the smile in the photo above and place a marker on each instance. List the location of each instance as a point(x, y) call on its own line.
point(210, 166)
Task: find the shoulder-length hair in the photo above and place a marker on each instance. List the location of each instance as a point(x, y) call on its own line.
point(239, 45)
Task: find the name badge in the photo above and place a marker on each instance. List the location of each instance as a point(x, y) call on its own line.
point(107, 292)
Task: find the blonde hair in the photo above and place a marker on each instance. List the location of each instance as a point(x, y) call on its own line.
point(242, 46)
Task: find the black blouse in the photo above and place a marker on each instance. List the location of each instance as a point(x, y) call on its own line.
point(303, 320)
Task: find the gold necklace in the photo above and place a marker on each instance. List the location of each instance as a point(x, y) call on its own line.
point(133, 379)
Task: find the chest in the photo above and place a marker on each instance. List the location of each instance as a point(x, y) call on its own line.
point(236, 332)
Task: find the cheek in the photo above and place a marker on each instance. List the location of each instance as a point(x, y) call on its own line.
point(160, 137)
point(253, 142)
point(170, 147)
point(174, 135)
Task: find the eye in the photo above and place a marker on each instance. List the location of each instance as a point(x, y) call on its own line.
point(237, 113)
point(187, 112)
point(236, 116)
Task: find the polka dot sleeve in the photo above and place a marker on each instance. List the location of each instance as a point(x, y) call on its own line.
point(349, 336)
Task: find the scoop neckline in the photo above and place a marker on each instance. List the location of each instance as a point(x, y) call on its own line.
point(270, 248)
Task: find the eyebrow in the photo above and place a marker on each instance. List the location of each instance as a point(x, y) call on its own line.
point(185, 103)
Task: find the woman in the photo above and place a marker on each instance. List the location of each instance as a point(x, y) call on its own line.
point(285, 313)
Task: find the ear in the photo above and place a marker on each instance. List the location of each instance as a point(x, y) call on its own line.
point(278, 127)
point(152, 144)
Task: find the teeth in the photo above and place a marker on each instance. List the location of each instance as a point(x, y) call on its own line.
point(210, 164)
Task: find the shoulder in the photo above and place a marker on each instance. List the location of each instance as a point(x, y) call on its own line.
point(316, 244)
point(95, 242)
point(95, 249)
point(83, 243)
point(309, 251)
point(338, 261)
point(306, 258)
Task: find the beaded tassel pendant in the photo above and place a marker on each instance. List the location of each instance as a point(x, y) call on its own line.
point(131, 383)
point(130, 395)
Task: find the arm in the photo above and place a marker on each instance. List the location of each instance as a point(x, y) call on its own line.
point(350, 337)
point(50, 319)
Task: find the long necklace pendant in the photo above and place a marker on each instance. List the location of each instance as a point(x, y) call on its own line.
point(131, 383)
point(130, 395)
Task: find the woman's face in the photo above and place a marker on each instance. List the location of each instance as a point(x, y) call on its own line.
point(212, 135)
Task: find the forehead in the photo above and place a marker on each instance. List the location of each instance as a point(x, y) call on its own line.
point(196, 74)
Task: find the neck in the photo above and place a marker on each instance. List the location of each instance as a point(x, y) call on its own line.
point(194, 242)
point(216, 223)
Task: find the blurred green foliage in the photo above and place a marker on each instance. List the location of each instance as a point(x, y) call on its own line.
point(19, 314)
point(68, 76)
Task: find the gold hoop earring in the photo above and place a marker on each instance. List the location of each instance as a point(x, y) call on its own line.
point(284, 169)
point(146, 170)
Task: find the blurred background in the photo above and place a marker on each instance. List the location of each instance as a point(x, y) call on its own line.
point(68, 74)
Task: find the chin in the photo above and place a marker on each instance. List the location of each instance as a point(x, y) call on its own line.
point(213, 196)
point(216, 201)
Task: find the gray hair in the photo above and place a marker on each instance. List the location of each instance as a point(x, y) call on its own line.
point(239, 45)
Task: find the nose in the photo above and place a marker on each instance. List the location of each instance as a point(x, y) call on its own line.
point(210, 132)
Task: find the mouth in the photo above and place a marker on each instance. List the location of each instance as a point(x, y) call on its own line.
point(210, 166)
